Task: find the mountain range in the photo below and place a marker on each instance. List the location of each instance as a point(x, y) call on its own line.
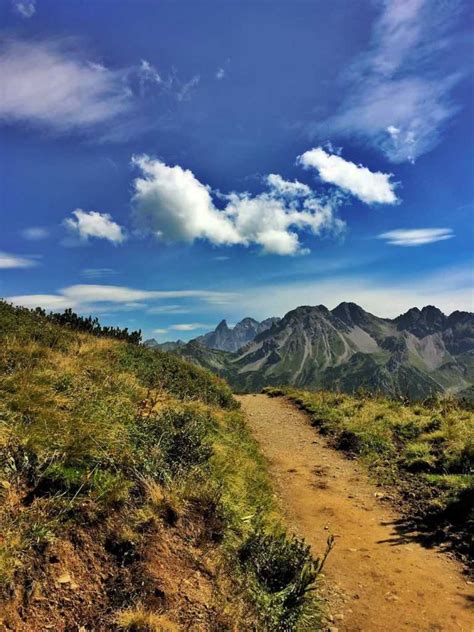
point(418, 354)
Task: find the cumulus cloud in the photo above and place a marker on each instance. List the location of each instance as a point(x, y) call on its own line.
point(416, 236)
point(35, 233)
point(46, 83)
point(95, 225)
point(25, 8)
point(370, 187)
point(9, 261)
point(398, 95)
point(171, 203)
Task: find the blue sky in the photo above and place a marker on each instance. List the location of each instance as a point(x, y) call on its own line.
point(168, 164)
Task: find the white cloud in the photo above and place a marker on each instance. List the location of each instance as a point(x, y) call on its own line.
point(398, 95)
point(416, 236)
point(189, 326)
point(25, 8)
point(171, 203)
point(286, 187)
point(97, 273)
point(104, 294)
point(220, 73)
point(167, 309)
point(46, 301)
point(370, 187)
point(96, 225)
point(48, 84)
point(35, 233)
point(97, 298)
point(184, 89)
point(9, 261)
point(159, 331)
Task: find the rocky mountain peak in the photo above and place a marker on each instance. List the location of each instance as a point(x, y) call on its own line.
point(222, 326)
point(350, 313)
point(422, 322)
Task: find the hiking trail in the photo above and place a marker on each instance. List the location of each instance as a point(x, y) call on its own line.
point(378, 579)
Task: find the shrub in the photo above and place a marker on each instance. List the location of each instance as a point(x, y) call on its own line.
point(284, 574)
point(418, 457)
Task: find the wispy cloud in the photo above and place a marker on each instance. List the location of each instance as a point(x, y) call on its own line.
point(25, 8)
point(9, 261)
point(167, 309)
point(172, 204)
point(398, 95)
point(97, 298)
point(416, 236)
point(35, 233)
point(185, 89)
point(370, 187)
point(53, 84)
point(97, 273)
point(95, 225)
point(47, 83)
point(189, 326)
point(220, 73)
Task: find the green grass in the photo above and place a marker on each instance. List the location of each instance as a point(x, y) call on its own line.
point(104, 435)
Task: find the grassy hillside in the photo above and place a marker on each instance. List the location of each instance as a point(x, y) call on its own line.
point(132, 495)
point(423, 453)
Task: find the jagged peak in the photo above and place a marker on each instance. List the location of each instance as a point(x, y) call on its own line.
point(222, 325)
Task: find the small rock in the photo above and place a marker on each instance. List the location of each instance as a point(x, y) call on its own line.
point(391, 597)
point(333, 629)
point(339, 617)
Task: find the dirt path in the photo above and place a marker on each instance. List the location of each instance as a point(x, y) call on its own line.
point(387, 584)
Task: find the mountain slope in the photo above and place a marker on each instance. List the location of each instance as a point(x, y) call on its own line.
point(417, 354)
point(125, 473)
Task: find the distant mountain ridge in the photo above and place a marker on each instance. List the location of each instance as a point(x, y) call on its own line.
point(417, 354)
point(223, 337)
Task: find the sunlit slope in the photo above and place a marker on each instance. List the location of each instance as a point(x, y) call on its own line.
point(132, 495)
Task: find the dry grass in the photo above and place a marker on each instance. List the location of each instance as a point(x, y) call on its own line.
point(140, 620)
